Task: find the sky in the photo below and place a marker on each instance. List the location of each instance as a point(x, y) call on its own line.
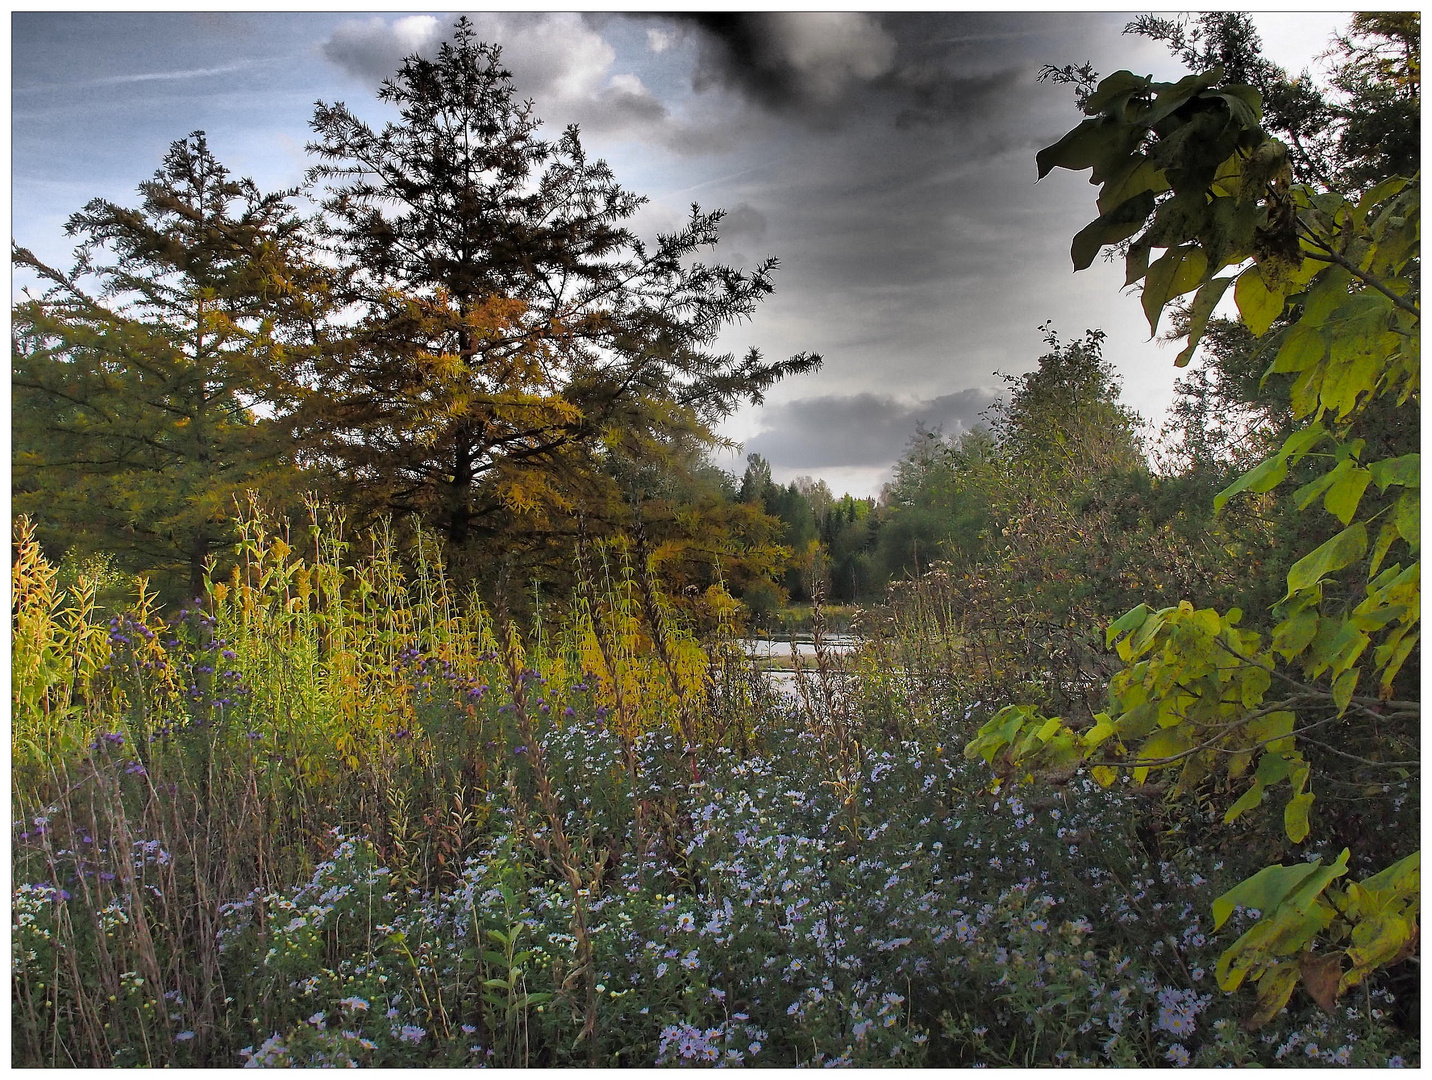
point(886, 161)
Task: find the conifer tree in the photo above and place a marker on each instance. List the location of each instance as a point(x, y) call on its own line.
point(148, 380)
point(511, 335)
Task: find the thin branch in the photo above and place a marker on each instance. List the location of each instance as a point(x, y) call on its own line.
point(1332, 256)
point(1363, 760)
point(1370, 706)
point(1173, 759)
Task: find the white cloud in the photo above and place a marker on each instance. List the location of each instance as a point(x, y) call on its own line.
point(555, 58)
point(558, 60)
point(830, 49)
point(658, 41)
point(372, 49)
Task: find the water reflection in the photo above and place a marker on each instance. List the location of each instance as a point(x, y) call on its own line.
point(804, 646)
point(775, 658)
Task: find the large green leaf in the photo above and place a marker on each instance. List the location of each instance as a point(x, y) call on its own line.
point(1244, 102)
point(1305, 495)
point(1091, 141)
point(1402, 877)
point(1295, 816)
point(1126, 622)
point(1379, 193)
point(1343, 687)
point(1407, 514)
point(1404, 471)
point(1140, 177)
point(1247, 801)
point(1112, 87)
point(1292, 635)
point(1302, 347)
point(1175, 273)
point(1118, 224)
point(1344, 495)
point(1203, 304)
point(1328, 558)
point(1173, 97)
point(1264, 891)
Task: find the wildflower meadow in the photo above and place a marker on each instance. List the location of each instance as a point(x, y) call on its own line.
point(333, 814)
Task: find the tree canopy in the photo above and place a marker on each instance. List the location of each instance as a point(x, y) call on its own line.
point(469, 330)
point(511, 334)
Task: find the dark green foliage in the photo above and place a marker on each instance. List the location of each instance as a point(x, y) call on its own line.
point(1333, 284)
point(1365, 126)
point(513, 333)
point(938, 509)
point(829, 541)
point(149, 380)
point(376, 826)
point(1380, 79)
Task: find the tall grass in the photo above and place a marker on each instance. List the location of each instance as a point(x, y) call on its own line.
point(166, 763)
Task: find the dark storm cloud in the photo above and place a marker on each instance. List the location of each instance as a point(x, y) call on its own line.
point(799, 62)
point(932, 95)
point(859, 429)
point(827, 67)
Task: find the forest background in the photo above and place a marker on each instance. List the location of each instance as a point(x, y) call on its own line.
point(453, 434)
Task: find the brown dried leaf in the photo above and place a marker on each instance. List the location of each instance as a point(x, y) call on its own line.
point(1320, 978)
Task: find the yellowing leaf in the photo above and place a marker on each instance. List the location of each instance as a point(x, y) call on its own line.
point(1257, 304)
point(1275, 987)
point(1302, 347)
point(1165, 743)
point(1295, 816)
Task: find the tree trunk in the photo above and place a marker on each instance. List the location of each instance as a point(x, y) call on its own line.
point(459, 508)
point(198, 557)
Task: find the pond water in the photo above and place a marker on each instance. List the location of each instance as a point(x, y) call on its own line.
point(803, 645)
point(775, 657)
